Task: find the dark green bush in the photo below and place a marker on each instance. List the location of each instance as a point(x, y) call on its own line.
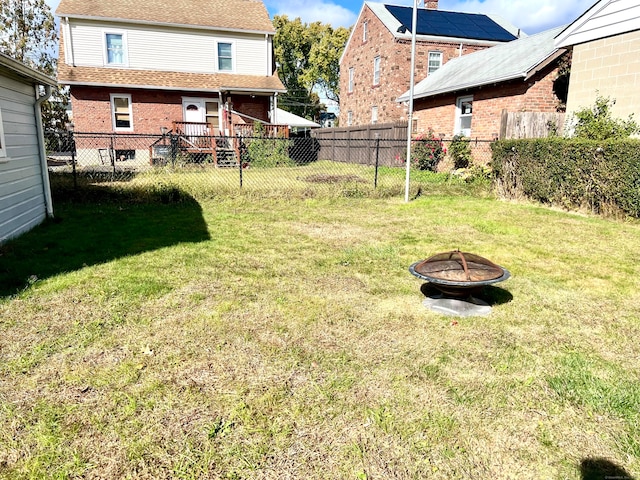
point(603, 176)
point(268, 152)
point(460, 151)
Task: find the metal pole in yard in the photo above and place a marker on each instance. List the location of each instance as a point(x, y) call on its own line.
point(240, 166)
point(414, 22)
point(375, 178)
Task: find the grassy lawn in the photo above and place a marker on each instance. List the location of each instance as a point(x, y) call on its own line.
point(257, 337)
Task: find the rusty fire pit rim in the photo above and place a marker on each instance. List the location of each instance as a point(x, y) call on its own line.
point(460, 284)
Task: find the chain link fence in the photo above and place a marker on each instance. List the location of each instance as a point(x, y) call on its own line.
point(223, 164)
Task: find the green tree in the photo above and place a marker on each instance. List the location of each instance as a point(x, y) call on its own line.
point(597, 123)
point(323, 70)
point(29, 35)
point(307, 57)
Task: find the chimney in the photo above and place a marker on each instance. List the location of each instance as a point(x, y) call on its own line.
point(431, 5)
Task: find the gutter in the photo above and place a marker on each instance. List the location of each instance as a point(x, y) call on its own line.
point(43, 154)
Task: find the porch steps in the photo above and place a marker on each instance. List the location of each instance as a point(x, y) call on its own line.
point(226, 157)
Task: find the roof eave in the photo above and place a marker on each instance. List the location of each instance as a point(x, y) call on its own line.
point(462, 86)
point(167, 88)
point(173, 25)
point(26, 71)
point(439, 38)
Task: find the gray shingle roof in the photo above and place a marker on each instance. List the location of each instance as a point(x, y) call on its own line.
point(517, 59)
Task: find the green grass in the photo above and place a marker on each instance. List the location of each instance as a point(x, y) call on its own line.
point(282, 336)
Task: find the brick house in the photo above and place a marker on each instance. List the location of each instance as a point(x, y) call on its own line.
point(606, 44)
point(468, 95)
point(377, 57)
point(134, 68)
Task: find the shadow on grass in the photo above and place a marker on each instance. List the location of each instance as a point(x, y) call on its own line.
point(101, 226)
point(489, 293)
point(602, 469)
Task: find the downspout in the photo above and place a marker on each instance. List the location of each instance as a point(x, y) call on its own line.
point(43, 154)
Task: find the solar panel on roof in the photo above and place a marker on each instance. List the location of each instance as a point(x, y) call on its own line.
point(451, 24)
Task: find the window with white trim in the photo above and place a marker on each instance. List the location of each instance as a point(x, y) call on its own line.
point(374, 114)
point(225, 56)
point(376, 71)
point(365, 31)
point(435, 62)
point(121, 112)
point(115, 48)
point(3, 145)
point(352, 74)
point(464, 112)
point(349, 118)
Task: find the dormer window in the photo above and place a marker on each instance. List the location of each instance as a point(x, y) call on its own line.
point(115, 48)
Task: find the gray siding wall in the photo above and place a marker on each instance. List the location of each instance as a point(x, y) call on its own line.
point(22, 202)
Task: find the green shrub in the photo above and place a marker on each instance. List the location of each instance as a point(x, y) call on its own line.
point(426, 151)
point(460, 151)
point(268, 152)
point(602, 176)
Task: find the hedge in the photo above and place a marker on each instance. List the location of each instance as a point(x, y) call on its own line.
point(602, 176)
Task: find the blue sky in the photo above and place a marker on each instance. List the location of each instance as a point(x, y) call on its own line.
point(531, 16)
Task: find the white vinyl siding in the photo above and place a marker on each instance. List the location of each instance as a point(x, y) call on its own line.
point(170, 49)
point(22, 202)
point(602, 20)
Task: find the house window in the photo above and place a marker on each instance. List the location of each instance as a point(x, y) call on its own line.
point(115, 48)
point(414, 125)
point(349, 118)
point(435, 62)
point(464, 111)
point(212, 115)
point(374, 114)
point(352, 73)
point(365, 31)
point(121, 112)
point(3, 145)
point(376, 71)
point(225, 57)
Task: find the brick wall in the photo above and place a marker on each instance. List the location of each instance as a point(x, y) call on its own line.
point(395, 63)
point(151, 109)
point(533, 95)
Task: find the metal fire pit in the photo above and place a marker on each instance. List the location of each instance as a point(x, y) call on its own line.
point(458, 274)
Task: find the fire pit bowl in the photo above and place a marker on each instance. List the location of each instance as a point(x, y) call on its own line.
point(458, 274)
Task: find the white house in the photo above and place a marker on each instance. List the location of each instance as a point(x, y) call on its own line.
point(202, 67)
point(25, 195)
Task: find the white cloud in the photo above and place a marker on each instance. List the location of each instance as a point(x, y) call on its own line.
point(325, 12)
point(531, 17)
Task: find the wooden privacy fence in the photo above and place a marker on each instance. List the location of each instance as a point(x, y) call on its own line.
point(530, 124)
point(357, 144)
